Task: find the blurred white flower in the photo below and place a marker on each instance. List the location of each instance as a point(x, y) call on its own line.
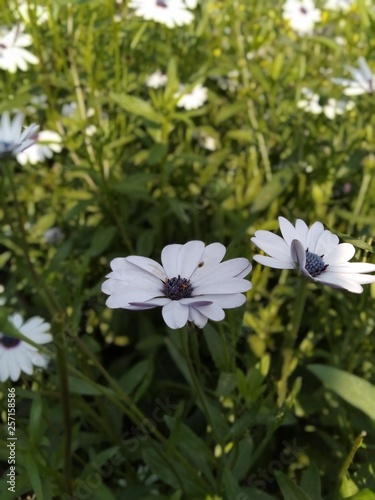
point(207, 142)
point(193, 99)
point(330, 108)
point(156, 80)
point(17, 356)
point(316, 252)
point(338, 4)
point(363, 79)
point(12, 52)
point(39, 13)
point(192, 285)
point(191, 4)
point(12, 139)
point(69, 108)
point(169, 12)
point(48, 142)
point(302, 15)
point(53, 235)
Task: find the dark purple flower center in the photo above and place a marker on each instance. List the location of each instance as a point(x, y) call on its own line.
point(303, 10)
point(314, 264)
point(161, 3)
point(9, 342)
point(177, 288)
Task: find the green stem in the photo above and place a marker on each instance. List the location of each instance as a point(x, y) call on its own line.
point(186, 350)
point(344, 469)
point(289, 342)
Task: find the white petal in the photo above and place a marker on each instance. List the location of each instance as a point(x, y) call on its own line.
point(212, 311)
point(353, 267)
point(225, 270)
point(364, 68)
point(339, 281)
point(122, 298)
point(339, 255)
point(13, 364)
point(275, 263)
point(197, 318)
point(189, 257)
point(313, 236)
point(298, 253)
point(287, 230)
point(272, 244)
point(169, 259)
point(233, 285)
point(302, 230)
point(16, 320)
point(326, 243)
point(213, 254)
point(225, 301)
point(175, 314)
point(148, 265)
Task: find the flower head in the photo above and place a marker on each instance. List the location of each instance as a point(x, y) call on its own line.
point(316, 252)
point(338, 4)
point(169, 12)
point(193, 99)
point(48, 142)
point(13, 55)
point(363, 79)
point(17, 356)
point(331, 108)
point(302, 15)
point(191, 285)
point(12, 139)
point(156, 80)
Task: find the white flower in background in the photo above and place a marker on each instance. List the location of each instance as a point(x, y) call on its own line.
point(191, 4)
point(12, 139)
point(363, 79)
point(192, 285)
point(156, 80)
point(69, 108)
point(48, 142)
point(53, 235)
point(206, 141)
point(338, 4)
point(331, 108)
point(31, 13)
point(193, 99)
point(230, 82)
point(17, 356)
point(169, 12)
point(302, 15)
point(13, 55)
point(316, 252)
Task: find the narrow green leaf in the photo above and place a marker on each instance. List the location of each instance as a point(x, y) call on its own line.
point(352, 389)
point(137, 106)
point(310, 482)
point(289, 489)
point(271, 191)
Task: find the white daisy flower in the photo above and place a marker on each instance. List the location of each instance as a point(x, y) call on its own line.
point(169, 12)
point(12, 52)
point(156, 80)
point(17, 356)
point(48, 142)
point(193, 99)
point(53, 235)
point(363, 79)
point(302, 15)
point(316, 252)
point(331, 108)
point(39, 14)
point(191, 285)
point(338, 4)
point(191, 4)
point(12, 139)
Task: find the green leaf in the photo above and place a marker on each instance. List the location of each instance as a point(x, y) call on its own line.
point(271, 191)
point(217, 347)
point(134, 377)
point(289, 489)
point(79, 386)
point(135, 186)
point(310, 482)
point(352, 389)
point(34, 476)
point(137, 106)
point(102, 238)
point(60, 256)
point(365, 494)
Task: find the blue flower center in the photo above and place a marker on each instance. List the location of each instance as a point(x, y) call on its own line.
point(9, 342)
point(177, 288)
point(314, 264)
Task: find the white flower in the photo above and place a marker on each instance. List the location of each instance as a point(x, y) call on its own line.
point(169, 12)
point(17, 356)
point(39, 14)
point(363, 79)
point(338, 4)
point(192, 285)
point(12, 52)
point(193, 99)
point(316, 252)
point(191, 4)
point(330, 108)
point(156, 80)
point(69, 108)
point(53, 235)
point(12, 139)
point(48, 142)
point(302, 15)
